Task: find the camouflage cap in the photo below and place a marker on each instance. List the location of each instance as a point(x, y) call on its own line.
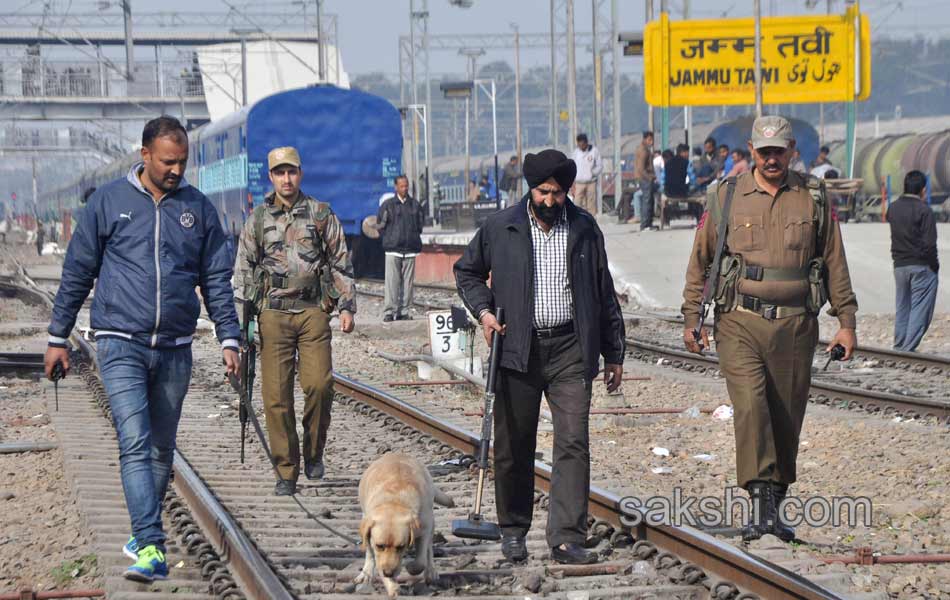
point(772, 132)
point(283, 156)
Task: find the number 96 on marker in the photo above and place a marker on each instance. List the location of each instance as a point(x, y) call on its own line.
point(445, 342)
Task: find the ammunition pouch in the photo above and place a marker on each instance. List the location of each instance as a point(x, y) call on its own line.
point(731, 268)
point(817, 286)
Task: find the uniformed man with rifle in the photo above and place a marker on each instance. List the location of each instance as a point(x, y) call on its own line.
point(294, 268)
point(768, 251)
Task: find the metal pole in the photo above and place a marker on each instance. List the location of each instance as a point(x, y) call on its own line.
point(494, 137)
point(664, 111)
point(468, 153)
point(159, 70)
point(517, 107)
point(129, 52)
point(428, 130)
point(102, 71)
point(649, 17)
point(243, 71)
point(615, 48)
point(595, 125)
point(336, 55)
point(757, 8)
point(555, 116)
point(687, 113)
point(321, 51)
point(821, 106)
point(571, 73)
point(34, 182)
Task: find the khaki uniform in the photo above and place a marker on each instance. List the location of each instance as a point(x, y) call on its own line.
point(299, 296)
point(767, 359)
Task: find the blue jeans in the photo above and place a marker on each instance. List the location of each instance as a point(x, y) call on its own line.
point(146, 387)
point(916, 296)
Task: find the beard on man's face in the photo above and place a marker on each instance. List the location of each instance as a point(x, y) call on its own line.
point(547, 214)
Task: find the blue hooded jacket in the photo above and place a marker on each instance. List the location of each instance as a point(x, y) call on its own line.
point(146, 260)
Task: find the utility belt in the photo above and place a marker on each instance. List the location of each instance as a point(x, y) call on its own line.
point(733, 269)
point(259, 287)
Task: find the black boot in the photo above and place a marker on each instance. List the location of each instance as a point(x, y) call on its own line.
point(763, 511)
point(780, 529)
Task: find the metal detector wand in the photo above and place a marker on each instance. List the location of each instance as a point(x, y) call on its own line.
point(57, 374)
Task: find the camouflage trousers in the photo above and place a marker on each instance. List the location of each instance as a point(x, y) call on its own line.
point(305, 336)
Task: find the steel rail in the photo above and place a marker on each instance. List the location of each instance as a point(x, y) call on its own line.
point(825, 393)
point(256, 578)
point(936, 361)
point(724, 560)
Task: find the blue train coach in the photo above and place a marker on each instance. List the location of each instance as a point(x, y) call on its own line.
point(350, 144)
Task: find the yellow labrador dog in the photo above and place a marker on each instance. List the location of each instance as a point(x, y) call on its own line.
point(396, 495)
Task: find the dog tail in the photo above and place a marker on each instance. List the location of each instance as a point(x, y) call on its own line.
point(443, 499)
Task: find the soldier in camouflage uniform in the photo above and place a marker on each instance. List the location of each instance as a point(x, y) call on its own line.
point(292, 261)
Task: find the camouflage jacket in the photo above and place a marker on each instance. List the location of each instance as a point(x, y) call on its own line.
point(303, 258)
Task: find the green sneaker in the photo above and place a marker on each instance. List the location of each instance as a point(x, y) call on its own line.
point(150, 566)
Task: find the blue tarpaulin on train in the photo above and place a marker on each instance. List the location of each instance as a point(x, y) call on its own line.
point(350, 144)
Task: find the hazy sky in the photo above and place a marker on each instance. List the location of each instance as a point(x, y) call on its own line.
point(369, 29)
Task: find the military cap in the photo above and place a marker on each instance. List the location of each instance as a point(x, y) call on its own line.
point(772, 132)
point(286, 155)
point(540, 167)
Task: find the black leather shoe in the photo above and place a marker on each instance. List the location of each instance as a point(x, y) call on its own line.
point(513, 548)
point(763, 515)
point(404, 318)
point(387, 319)
point(573, 554)
point(780, 529)
point(314, 470)
point(285, 487)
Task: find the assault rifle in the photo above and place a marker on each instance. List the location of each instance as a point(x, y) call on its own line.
point(245, 385)
point(712, 276)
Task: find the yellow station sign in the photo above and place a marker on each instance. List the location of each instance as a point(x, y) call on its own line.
point(804, 59)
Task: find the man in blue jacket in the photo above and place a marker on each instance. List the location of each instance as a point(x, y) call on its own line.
point(146, 241)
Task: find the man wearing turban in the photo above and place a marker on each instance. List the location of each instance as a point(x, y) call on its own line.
point(549, 273)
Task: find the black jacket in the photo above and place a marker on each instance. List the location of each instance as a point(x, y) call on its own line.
point(674, 174)
point(401, 225)
point(913, 233)
point(502, 247)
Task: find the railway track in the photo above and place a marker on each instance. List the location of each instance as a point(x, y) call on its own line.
point(231, 538)
point(821, 392)
point(913, 361)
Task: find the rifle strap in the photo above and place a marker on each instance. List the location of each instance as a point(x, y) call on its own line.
point(709, 289)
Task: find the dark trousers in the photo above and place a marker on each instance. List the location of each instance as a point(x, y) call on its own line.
point(646, 204)
point(556, 367)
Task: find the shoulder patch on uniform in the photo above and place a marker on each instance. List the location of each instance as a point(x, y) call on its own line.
point(702, 220)
point(322, 210)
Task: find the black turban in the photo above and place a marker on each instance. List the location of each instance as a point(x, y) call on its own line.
point(540, 167)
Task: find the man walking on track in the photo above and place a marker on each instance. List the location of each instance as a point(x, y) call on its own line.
point(147, 240)
point(549, 273)
point(782, 257)
point(914, 251)
point(292, 262)
point(400, 220)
